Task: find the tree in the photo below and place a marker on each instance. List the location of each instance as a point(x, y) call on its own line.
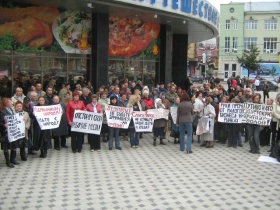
point(249, 59)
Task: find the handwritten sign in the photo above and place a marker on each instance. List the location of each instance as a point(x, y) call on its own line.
point(230, 113)
point(159, 113)
point(48, 117)
point(143, 122)
point(87, 122)
point(259, 114)
point(118, 117)
point(173, 112)
point(16, 126)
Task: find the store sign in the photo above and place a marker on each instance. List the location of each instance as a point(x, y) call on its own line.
point(196, 8)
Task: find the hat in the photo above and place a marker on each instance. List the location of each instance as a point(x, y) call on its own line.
point(76, 93)
point(145, 91)
point(26, 100)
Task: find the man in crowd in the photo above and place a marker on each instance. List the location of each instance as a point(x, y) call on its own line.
point(116, 92)
point(33, 98)
point(49, 96)
point(172, 95)
point(38, 90)
point(64, 91)
point(85, 97)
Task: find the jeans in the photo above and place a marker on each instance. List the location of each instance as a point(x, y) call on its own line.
point(254, 130)
point(185, 126)
point(114, 132)
point(134, 137)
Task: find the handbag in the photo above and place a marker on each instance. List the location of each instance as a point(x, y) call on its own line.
point(4, 139)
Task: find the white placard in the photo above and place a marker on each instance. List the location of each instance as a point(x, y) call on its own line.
point(268, 159)
point(159, 113)
point(173, 112)
point(202, 125)
point(16, 126)
point(143, 122)
point(118, 117)
point(48, 117)
point(87, 122)
point(230, 112)
point(259, 114)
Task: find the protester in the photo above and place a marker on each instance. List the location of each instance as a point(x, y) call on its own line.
point(174, 128)
point(265, 131)
point(49, 95)
point(60, 133)
point(184, 121)
point(265, 90)
point(85, 97)
point(104, 101)
point(275, 137)
point(220, 128)
point(19, 96)
point(38, 90)
point(41, 138)
point(171, 95)
point(198, 108)
point(77, 138)
point(65, 94)
point(159, 124)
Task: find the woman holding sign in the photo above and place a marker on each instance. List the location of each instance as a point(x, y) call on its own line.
point(77, 138)
point(6, 109)
point(93, 139)
point(42, 138)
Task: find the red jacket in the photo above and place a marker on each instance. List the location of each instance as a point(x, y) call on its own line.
point(99, 107)
point(71, 107)
point(149, 102)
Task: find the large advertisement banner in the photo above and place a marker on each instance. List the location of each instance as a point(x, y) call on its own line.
point(87, 122)
point(16, 126)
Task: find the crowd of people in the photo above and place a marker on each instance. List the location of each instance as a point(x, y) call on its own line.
point(192, 102)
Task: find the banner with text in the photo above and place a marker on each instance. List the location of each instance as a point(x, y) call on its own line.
point(159, 113)
point(173, 112)
point(48, 117)
point(259, 114)
point(87, 122)
point(143, 122)
point(16, 126)
point(118, 117)
point(230, 112)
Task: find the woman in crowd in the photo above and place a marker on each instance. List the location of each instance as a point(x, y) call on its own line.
point(77, 138)
point(233, 130)
point(123, 103)
point(104, 101)
point(27, 121)
point(209, 111)
point(198, 108)
point(19, 96)
point(114, 132)
point(254, 131)
point(220, 129)
point(174, 128)
point(136, 106)
point(94, 139)
point(60, 133)
point(42, 138)
point(184, 120)
point(265, 132)
point(147, 99)
point(159, 124)
point(6, 109)
point(275, 123)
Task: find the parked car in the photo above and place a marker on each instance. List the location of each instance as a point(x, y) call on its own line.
point(197, 78)
point(272, 85)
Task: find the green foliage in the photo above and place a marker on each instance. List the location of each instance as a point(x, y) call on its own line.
point(249, 60)
point(7, 42)
point(148, 53)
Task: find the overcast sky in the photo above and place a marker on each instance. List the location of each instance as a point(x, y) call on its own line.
point(217, 3)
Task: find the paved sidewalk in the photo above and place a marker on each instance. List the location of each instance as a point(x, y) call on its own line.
point(149, 177)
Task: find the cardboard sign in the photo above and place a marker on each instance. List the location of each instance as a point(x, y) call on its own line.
point(143, 122)
point(230, 113)
point(173, 112)
point(87, 122)
point(159, 113)
point(16, 126)
point(259, 114)
point(118, 117)
point(48, 117)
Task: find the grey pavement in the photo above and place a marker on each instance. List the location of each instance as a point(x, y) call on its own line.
point(148, 177)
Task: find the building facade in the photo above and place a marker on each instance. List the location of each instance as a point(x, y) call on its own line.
point(243, 25)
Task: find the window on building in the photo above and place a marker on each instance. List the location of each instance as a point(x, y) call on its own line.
point(251, 24)
point(227, 24)
point(233, 67)
point(270, 45)
point(227, 44)
point(235, 24)
point(234, 44)
point(250, 41)
point(270, 24)
point(226, 67)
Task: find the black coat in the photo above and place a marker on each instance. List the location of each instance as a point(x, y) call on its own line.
point(62, 130)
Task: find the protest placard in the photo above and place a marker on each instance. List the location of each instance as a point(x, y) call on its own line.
point(259, 114)
point(173, 112)
point(230, 112)
point(143, 122)
point(16, 126)
point(202, 125)
point(87, 122)
point(118, 117)
point(48, 117)
point(159, 113)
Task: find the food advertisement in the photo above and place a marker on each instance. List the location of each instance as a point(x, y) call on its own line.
point(40, 29)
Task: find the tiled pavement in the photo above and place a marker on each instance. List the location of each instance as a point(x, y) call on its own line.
point(149, 177)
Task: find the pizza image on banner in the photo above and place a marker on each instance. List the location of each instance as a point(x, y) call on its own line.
point(128, 37)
